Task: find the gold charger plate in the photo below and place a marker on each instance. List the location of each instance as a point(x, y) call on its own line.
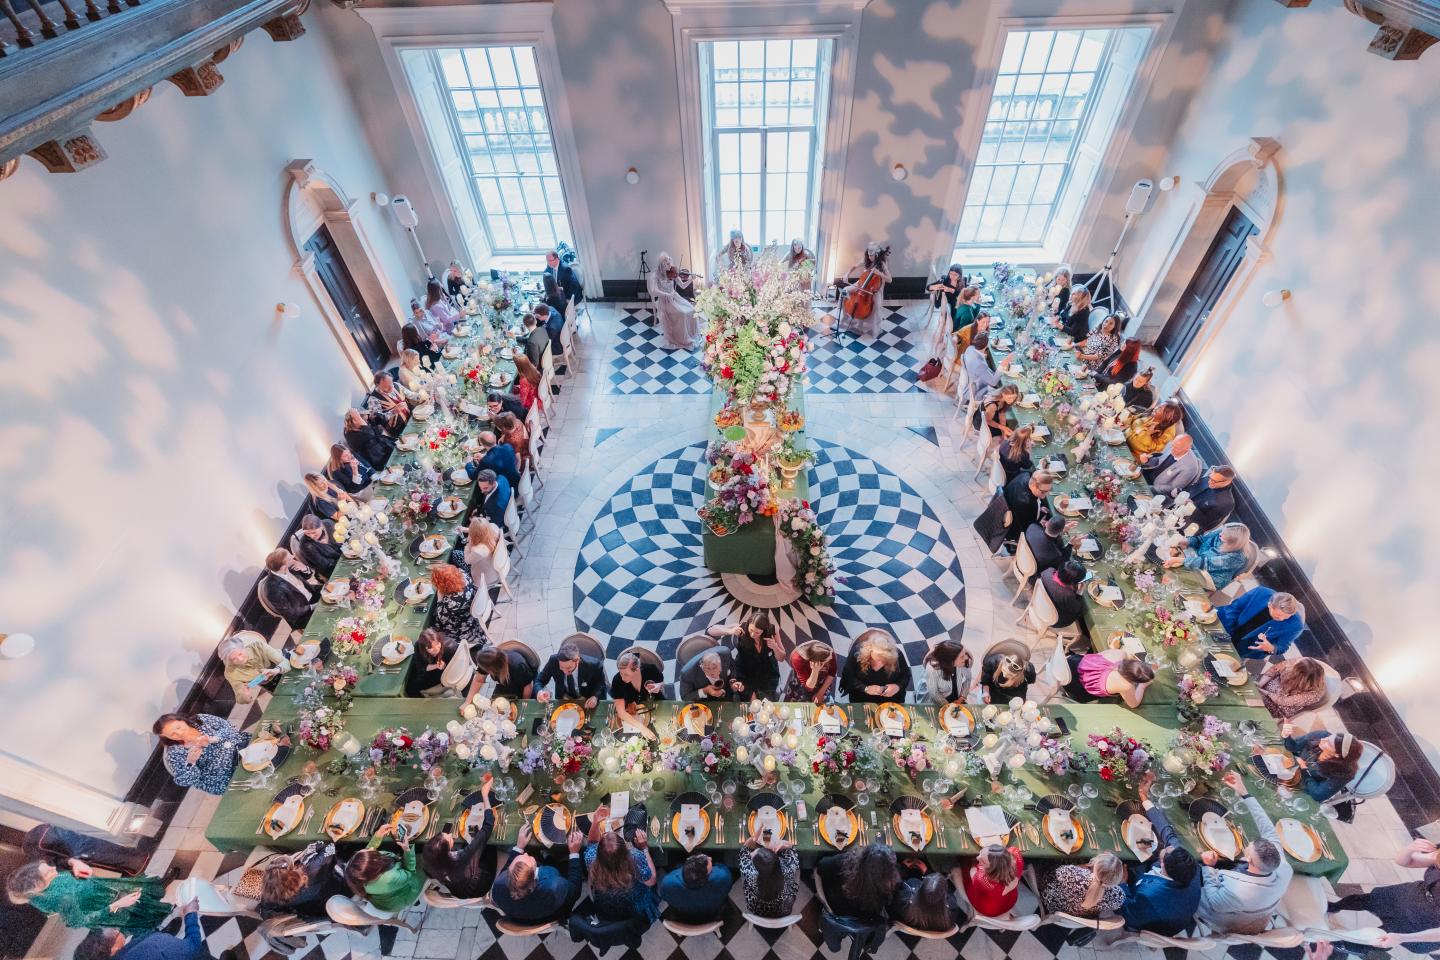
point(434, 546)
point(1296, 773)
point(890, 710)
point(426, 591)
point(450, 507)
point(1093, 589)
point(404, 644)
point(781, 815)
point(929, 830)
point(951, 713)
point(265, 822)
point(413, 828)
point(691, 710)
point(329, 830)
point(331, 593)
point(1065, 510)
point(1239, 677)
point(579, 714)
point(1316, 851)
point(1054, 842)
point(850, 837)
point(835, 712)
point(535, 819)
point(256, 767)
point(704, 827)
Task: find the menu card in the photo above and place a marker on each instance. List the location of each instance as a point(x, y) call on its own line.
point(912, 827)
point(1079, 503)
point(695, 722)
point(1224, 668)
point(619, 804)
point(892, 723)
point(1111, 593)
point(1090, 545)
point(987, 823)
point(837, 824)
point(829, 721)
point(565, 723)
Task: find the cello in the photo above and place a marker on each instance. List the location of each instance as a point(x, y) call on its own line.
point(860, 302)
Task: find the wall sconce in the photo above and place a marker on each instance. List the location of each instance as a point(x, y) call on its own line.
point(1274, 298)
point(632, 176)
point(13, 646)
point(898, 172)
point(380, 199)
point(287, 311)
point(1169, 183)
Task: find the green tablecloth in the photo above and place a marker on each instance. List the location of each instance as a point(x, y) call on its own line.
point(234, 825)
point(751, 549)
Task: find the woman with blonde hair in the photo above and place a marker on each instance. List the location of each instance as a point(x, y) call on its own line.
point(876, 671)
point(454, 596)
point(1076, 324)
point(1015, 452)
point(325, 497)
point(1004, 676)
point(1292, 687)
point(412, 372)
point(1089, 891)
point(678, 321)
point(1149, 435)
point(992, 884)
point(486, 553)
point(812, 672)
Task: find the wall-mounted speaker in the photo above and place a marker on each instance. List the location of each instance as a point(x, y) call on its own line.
point(405, 213)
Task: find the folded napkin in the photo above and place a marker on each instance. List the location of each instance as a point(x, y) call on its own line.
point(1217, 833)
point(1132, 645)
point(1196, 608)
point(285, 817)
point(1111, 593)
point(1140, 835)
point(1224, 667)
point(829, 721)
point(1090, 545)
point(695, 722)
point(957, 722)
point(690, 830)
point(892, 723)
point(912, 828)
point(837, 825)
point(768, 818)
point(986, 823)
point(565, 723)
point(1031, 399)
point(1277, 764)
point(1296, 839)
point(1079, 503)
point(1060, 825)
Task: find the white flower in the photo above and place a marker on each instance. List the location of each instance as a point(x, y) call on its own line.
point(487, 752)
point(990, 741)
point(1034, 740)
point(1017, 761)
point(462, 751)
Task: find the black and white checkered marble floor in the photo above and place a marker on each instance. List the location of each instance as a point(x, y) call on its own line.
point(640, 576)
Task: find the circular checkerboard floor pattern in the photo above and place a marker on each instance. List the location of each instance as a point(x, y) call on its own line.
point(640, 577)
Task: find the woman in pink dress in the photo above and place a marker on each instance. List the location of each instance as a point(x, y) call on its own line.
point(1108, 674)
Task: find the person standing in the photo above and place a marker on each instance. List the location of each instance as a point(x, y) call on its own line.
point(82, 901)
point(107, 942)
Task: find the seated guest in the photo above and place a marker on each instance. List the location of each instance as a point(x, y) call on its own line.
point(1220, 553)
point(536, 341)
point(1138, 394)
point(286, 588)
point(964, 336)
point(876, 672)
point(469, 871)
point(325, 497)
point(512, 430)
point(1060, 293)
point(710, 675)
point(499, 458)
point(1291, 687)
point(1076, 323)
point(494, 496)
point(369, 442)
point(566, 276)
point(390, 883)
point(1120, 367)
point(1409, 907)
point(1261, 622)
point(1165, 897)
point(1176, 468)
point(428, 327)
point(575, 677)
point(1015, 452)
point(636, 682)
point(926, 902)
point(1328, 761)
point(1148, 435)
point(1092, 890)
point(555, 304)
point(425, 349)
point(412, 374)
point(528, 893)
point(439, 308)
point(1213, 498)
point(1242, 899)
point(200, 750)
point(966, 310)
point(812, 672)
point(1099, 345)
point(769, 877)
point(698, 891)
point(249, 658)
point(1004, 676)
point(992, 883)
point(527, 383)
point(860, 882)
point(976, 361)
point(107, 942)
point(1047, 543)
point(622, 875)
point(947, 672)
point(387, 404)
point(758, 652)
point(455, 280)
point(433, 654)
point(317, 546)
point(299, 884)
point(454, 598)
point(1109, 673)
point(345, 470)
point(514, 677)
point(84, 901)
point(994, 412)
point(499, 403)
point(486, 554)
point(1062, 585)
point(1025, 496)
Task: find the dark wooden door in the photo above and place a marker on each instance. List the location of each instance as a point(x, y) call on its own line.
point(1214, 272)
point(341, 287)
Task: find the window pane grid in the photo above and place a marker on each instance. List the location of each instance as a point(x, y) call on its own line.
point(1031, 132)
point(499, 108)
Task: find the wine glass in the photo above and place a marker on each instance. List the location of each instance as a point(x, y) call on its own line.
point(712, 791)
point(1089, 791)
point(862, 798)
point(1074, 792)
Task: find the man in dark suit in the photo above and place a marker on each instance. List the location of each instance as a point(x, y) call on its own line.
point(498, 457)
point(575, 677)
point(287, 589)
point(1163, 899)
point(566, 276)
point(498, 403)
point(1062, 585)
point(1047, 543)
point(1025, 497)
point(531, 894)
point(553, 323)
point(1213, 498)
point(107, 943)
point(537, 341)
point(698, 891)
point(495, 497)
point(710, 675)
point(317, 545)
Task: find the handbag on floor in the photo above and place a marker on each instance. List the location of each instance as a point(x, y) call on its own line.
point(930, 371)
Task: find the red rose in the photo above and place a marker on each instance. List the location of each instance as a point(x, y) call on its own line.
point(849, 756)
point(1105, 774)
point(357, 636)
point(444, 433)
point(822, 741)
point(727, 373)
point(805, 504)
point(434, 445)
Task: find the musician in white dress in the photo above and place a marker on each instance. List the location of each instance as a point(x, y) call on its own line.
point(736, 253)
point(678, 322)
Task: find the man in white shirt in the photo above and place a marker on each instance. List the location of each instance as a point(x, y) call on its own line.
point(1243, 898)
point(977, 368)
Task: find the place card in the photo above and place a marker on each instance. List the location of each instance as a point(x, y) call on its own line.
point(986, 822)
point(1090, 545)
point(619, 804)
point(1132, 645)
point(565, 724)
point(695, 723)
point(829, 722)
point(1195, 608)
point(1111, 593)
point(1056, 466)
point(1041, 430)
point(912, 824)
point(1276, 764)
point(1079, 503)
point(1224, 668)
point(892, 723)
point(1031, 400)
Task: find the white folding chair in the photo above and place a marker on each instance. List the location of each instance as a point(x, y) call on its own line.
point(925, 934)
point(1040, 614)
point(569, 353)
point(1159, 941)
point(287, 935)
point(692, 929)
point(777, 923)
point(536, 477)
point(525, 493)
point(1071, 922)
point(512, 527)
point(512, 929)
point(1023, 566)
point(437, 898)
point(1376, 776)
point(1279, 938)
point(348, 913)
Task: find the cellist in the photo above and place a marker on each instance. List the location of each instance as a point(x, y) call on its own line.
point(875, 262)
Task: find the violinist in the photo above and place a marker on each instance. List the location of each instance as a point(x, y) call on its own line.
point(798, 255)
point(736, 253)
point(860, 298)
point(683, 279)
point(678, 322)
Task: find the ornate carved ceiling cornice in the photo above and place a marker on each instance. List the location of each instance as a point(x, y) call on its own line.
point(53, 90)
point(1407, 28)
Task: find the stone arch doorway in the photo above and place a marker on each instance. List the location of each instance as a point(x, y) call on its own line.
point(332, 253)
point(1246, 182)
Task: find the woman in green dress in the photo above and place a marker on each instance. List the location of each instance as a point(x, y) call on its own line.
point(390, 883)
point(132, 905)
point(967, 310)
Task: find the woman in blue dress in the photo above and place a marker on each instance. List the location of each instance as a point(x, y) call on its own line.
point(201, 750)
point(622, 877)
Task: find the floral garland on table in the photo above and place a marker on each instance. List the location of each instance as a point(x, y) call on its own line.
point(441, 444)
point(713, 756)
point(340, 684)
point(318, 728)
point(741, 495)
point(1171, 630)
point(814, 569)
point(1206, 751)
point(480, 740)
point(319, 722)
point(1122, 758)
point(1002, 272)
point(1054, 383)
point(571, 757)
point(635, 755)
point(431, 748)
point(1106, 487)
point(1057, 757)
point(350, 636)
point(417, 505)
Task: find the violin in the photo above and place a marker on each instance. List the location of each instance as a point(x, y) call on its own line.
point(861, 301)
point(676, 273)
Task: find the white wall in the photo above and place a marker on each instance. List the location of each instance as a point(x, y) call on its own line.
point(1329, 403)
point(157, 416)
point(919, 64)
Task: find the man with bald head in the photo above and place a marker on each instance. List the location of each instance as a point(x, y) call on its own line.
point(1176, 468)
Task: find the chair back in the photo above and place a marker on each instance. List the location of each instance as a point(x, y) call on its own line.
point(1010, 646)
point(1041, 612)
point(1280, 938)
point(1376, 773)
point(687, 649)
point(1026, 565)
point(1334, 686)
point(691, 929)
point(1160, 942)
point(265, 604)
point(1028, 922)
point(460, 670)
point(512, 929)
point(997, 475)
point(534, 441)
point(525, 490)
point(589, 646)
point(1057, 668)
point(512, 520)
point(777, 923)
point(348, 913)
point(1062, 919)
point(647, 656)
point(925, 934)
point(439, 899)
point(294, 544)
point(522, 648)
point(1252, 558)
point(482, 606)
